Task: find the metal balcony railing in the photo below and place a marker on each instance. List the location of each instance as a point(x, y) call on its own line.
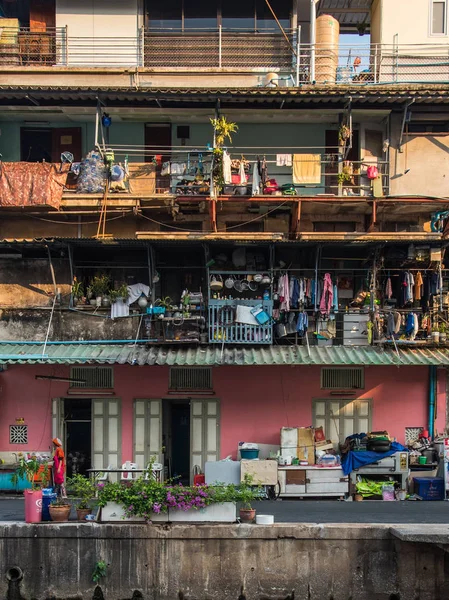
point(281, 59)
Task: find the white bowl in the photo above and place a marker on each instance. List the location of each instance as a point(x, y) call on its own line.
point(264, 519)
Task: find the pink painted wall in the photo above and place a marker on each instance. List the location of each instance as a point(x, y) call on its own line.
point(255, 402)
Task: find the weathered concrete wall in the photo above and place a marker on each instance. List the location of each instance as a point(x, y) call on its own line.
point(31, 325)
point(238, 562)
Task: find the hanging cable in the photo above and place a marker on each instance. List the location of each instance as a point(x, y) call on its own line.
point(280, 27)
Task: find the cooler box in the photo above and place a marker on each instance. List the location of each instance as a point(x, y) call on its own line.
point(222, 471)
point(429, 488)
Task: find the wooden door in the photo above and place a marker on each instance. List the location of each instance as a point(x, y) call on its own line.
point(147, 431)
point(66, 139)
point(204, 432)
point(158, 137)
point(106, 433)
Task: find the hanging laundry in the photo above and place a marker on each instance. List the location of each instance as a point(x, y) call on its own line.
point(302, 323)
point(294, 292)
point(390, 325)
point(284, 160)
point(256, 180)
point(410, 286)
point(327, 295)
point(370, 327)
point(388, 289)
point(335, 300)
point(397, 321)
point(242, 173)
point(418, 285)
point(302, 291)
point(404, 284)
point(263, 170)
point(426, 291)
point(410, 324)
point(313, 292)
point(307, 168)
point(284, 292)
point(226, 162)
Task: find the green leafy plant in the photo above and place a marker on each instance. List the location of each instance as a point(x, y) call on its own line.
point(247, 492)
point(120, 292)
point(60, 502)
point(342, 177)
point(83, 488)
point(99, 285)
point(99, 571)
point(443, 328)
point(77, 288)
point(34, 470)
point(223, 130)
point(344, 133)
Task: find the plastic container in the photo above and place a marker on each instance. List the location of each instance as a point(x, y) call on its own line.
point(33, 506)
point(422, 460)
point(249, 454)
point(48, 496)
point(388, 493)
point(429, 488)
point(264, 519)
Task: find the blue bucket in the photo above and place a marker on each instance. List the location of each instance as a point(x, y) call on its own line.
point(48, 496)
point(249, 454)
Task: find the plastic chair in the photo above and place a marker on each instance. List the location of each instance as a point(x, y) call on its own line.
point(128, 475)
point(101, 476)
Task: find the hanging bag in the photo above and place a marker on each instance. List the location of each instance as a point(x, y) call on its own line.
point(261, 316)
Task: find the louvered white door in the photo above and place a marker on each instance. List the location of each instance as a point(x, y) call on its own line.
point(57, 421)
point(106, 433)
point(147, 431)
point(341, 418)
point(204, 432)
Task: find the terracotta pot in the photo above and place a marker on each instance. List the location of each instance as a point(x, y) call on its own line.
point(82, 513)
point(247, 515)
point(60, 513)
point(358, 498)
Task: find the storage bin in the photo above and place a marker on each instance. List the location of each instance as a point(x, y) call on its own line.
point(429, 488)
point(249, 454)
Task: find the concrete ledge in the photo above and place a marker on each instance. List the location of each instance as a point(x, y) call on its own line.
point(423, 534)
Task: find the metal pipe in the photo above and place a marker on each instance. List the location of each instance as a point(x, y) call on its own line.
point(298, 53)
point(432, 399)
point(49, 325)
point(68, 343)
point(312, 39)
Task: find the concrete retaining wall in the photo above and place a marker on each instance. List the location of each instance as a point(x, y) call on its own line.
point(238, 562)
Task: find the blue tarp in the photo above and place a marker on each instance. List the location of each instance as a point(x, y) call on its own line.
point(355, 460)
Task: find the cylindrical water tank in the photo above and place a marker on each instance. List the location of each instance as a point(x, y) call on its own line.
point(326, 55)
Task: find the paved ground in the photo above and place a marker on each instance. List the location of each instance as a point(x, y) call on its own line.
point(313, 511)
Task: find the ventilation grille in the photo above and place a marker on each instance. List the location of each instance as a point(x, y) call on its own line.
point(342, 379)
point(93, 377)
point(18, 434)
point(187, 378)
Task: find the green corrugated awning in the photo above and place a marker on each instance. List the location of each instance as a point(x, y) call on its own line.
point(140, 354)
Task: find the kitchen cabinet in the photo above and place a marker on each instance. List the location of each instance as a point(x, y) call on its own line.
point(298, 481)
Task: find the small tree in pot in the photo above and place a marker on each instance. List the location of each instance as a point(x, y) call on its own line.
point(60, 510)
point(35, 470)
point(83, 488)
point(246, 493)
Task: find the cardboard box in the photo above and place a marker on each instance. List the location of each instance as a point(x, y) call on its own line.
point(264, 472)
point(307, 453)
point(324, 446)
point(306, 436)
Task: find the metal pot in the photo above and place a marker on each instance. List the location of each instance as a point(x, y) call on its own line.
point(258, 277)
point(238, 285)
point(229, 282)
point(216, 283)
point(266, 280)
point(245, 285)
point(253, 285)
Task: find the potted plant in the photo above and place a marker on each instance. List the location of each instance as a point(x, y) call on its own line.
point(435, 334)
point(247, 492)
point(443, 333)
point(83, 488)
point(99, 287)
point(77, 291)
point(344, 133)
point(35, 470)
point(60, 510)
point(119, 293)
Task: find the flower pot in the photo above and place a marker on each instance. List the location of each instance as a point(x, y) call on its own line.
point(214, 513)
point(82, 513)
point(60, 514)
point(358, 497)
point(247, 515)
point(105, 302)
point(74, 300)
point(435, 337)
point(443, 337)
point(93, 302)
point(33, 506)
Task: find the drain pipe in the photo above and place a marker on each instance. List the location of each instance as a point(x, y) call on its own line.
point(432, 400)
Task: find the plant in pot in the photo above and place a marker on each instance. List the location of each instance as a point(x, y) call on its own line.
point(119, 293)
point(99, 288)
point(77, 291)
point(83, 488)
point(246, 493)
point(443, 332)
point(35, 471)
point(60, 510)
point(435, 334)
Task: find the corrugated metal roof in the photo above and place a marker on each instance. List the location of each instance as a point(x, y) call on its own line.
point(76, 353)
point(348, 12)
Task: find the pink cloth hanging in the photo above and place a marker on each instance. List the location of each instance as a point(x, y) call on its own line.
point(284, 292)
point(327, 297)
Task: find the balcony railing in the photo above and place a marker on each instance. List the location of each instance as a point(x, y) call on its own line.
point(267, 52)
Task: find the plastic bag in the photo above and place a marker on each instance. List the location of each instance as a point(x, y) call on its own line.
point(93, 174)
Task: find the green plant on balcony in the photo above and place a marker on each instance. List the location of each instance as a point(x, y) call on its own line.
point(99, 285)
point(223, 130)
point(33, 470)
point(84, 488)
point(344, 133)
point(120, 292)
point(343, 177)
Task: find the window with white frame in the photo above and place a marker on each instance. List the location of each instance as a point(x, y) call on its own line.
point(438, 17)
point(342, 417)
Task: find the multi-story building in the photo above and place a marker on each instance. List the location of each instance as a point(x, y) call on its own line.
point(335, 181)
